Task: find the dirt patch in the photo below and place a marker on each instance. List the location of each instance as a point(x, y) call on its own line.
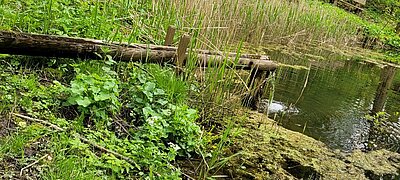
point(6, 126)
point(273, 152)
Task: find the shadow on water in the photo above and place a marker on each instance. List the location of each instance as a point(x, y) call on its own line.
point(334, 101)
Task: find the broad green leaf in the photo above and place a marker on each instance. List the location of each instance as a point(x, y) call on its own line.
point(85, 102)
point(149, 86)
point(102, 96)
point(109, 85)
point(76, 88)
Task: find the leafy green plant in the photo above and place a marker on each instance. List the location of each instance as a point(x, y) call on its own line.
point(95, 95)
point(160, 127)
point(378, 118)
point(163, 118)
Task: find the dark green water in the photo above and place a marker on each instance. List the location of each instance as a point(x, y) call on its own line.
point(337, 96)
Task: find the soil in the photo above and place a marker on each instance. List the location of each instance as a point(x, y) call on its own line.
point(6, 126)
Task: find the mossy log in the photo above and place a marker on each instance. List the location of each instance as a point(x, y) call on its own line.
point(68, 47)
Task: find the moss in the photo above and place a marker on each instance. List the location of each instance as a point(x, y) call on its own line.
point(380, 162)
point(273, 152)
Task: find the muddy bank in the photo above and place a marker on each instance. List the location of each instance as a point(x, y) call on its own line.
point(273, 152)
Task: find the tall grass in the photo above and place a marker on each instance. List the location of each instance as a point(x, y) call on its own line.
point(214, 23)
point(265, 21)
point(218, 24)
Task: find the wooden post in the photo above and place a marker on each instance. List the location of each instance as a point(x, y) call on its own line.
point(181, 52)
point(387, 76)
point(256, 84)
point(169, 38)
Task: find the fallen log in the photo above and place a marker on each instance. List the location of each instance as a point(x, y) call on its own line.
point(67, 47)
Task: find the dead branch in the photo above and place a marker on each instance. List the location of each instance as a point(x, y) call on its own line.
point(30, 165)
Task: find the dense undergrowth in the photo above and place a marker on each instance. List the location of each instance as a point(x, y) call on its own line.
point(140, 113)
point(382, 26)
point(143, 112)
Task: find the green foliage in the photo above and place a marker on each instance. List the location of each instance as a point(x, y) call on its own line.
point(384, 39)
point(378, 118)
point(161, 126)
point(95, 94)
point(14, 145)
point(385, 15)
point(150, 157)
point(116, 20)
point(67, 160)
point(158, 128)
point(31, 96)
point(73, 167)
point(163, 118)
point(390, 8)
point(166, 79)
point(216, 157)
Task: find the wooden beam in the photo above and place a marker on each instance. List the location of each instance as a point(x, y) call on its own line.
point(67, 47)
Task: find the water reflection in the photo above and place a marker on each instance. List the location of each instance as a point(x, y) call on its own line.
point(337, 96)
point(385, 83)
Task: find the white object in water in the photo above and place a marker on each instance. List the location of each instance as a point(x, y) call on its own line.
point(275, 107)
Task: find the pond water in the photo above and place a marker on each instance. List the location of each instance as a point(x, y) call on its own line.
point(332, 98)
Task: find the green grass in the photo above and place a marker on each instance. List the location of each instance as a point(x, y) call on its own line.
point(70, 168)
point(213, 25)
point(65, 164)
point(220, 22)
point(14, 145)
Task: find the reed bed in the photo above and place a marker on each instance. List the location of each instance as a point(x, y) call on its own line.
point(259, 22)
